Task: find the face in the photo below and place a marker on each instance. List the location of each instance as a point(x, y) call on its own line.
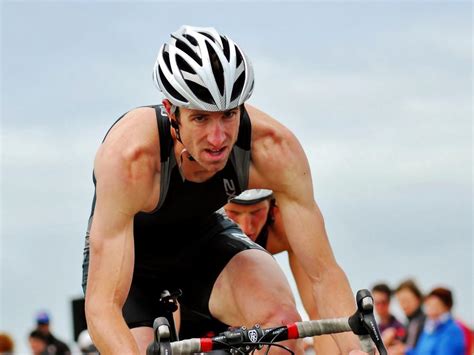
point(434, 308)
point(43, 328)
point(209, 136)
point(382, 303)
point(37, 346)
point(408, 301)
point(250, 218)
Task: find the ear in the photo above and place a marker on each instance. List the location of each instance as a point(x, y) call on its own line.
point(167, 104)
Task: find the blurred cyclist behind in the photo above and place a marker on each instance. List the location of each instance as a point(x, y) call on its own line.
point(256, 212)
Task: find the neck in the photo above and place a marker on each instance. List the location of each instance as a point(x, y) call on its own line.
point(189, 168)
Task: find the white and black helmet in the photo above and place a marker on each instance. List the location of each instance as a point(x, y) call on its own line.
point(200, 69)
point(253, 196)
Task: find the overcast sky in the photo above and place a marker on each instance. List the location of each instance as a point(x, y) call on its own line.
point(379, 94)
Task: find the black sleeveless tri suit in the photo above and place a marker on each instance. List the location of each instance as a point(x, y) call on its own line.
point(184, 243)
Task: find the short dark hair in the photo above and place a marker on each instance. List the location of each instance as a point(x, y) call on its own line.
point(444, 295)
point(382, 288)
point(411, 286)
point(39, 335)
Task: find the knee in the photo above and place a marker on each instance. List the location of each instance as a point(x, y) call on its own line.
point(279, 314)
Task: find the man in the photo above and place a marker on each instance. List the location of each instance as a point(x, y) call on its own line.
point(38, 343)
point(43, 325)
point(162, 171)
point(441, 334)
point(410, 298)
point(389, 326)
point(257, 213)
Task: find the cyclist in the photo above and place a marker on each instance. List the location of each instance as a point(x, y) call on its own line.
point(257, 214)
point(160, 173)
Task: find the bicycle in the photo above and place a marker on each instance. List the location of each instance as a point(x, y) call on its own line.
point(246, 341)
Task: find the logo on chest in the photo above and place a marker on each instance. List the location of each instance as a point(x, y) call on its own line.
point(229, 187)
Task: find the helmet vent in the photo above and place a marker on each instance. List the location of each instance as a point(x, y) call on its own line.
point(201, 92)
point(226, 48)
point(189, 51)
point(166, 57)
point(183, 65)
point(238, 85)
point(169, 87)
point(208, 36)
point(217, 69)
point(191, 39)
point(239, 58)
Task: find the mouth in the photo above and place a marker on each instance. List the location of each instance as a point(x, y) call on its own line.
point(215, 154)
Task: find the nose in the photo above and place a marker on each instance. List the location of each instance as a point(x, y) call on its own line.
point(247, 225)
point(216, 134)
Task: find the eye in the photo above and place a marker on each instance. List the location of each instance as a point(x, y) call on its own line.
point(230, 114)
point(199, 118)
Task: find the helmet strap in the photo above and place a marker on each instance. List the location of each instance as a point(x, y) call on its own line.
point(175, 125)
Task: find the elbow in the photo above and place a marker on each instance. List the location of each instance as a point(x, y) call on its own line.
point(96, 310)
point(93, 310)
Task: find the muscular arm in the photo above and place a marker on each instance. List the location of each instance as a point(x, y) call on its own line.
point(124, 184)
point(275, 149)
point(323, 344)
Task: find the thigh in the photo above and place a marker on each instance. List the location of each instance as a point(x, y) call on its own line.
point(253, 289)
point(206, 257)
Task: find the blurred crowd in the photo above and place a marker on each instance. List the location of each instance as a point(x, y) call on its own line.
point(430, 327)
point(42, 341)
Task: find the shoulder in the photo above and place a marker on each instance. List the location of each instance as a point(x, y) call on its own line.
point(129, 158)
point(455, 329)
point(266, 129)
point(131, 139)
point(274, 148)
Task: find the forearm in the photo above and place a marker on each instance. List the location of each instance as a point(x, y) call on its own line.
point(334, 298)
point(109, 331)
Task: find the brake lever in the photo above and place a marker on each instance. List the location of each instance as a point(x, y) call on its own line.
point(161, 333)
point(362, 322)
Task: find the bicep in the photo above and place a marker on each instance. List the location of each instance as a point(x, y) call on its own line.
point(292, 184)
point(119, 196)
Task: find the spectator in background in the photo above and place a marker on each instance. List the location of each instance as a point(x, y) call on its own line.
point(441, 334)
point(39, 343)
point(6, 344)
point(390, 328)
point(410, 299)
point(54, 344)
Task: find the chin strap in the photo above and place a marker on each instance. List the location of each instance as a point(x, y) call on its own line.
point(175, 125)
